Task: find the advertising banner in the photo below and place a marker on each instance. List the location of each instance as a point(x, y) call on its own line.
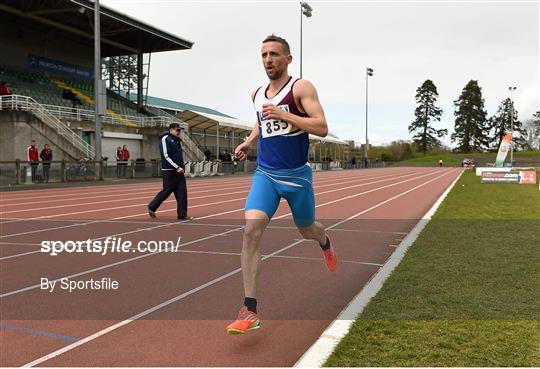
point(503, 150)
point(59, 67)
point(523, 177)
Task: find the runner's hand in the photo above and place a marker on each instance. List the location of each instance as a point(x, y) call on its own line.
point(241, 151)
point(180, 170)
point(270, 111)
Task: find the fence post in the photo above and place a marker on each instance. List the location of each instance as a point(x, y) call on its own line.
point(64, 170)
point(17, 171)
point(101, 170)
point(132, 169)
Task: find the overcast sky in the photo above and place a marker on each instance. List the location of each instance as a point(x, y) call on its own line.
point(405, 42)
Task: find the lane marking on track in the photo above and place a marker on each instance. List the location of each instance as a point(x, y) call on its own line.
point(201, 287)
point(79, 204)
point(36, 332)
point(200, 239)
point(115, 190)
point(174, 209)
point(319, 352)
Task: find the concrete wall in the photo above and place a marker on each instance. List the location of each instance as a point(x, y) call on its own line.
point(18, 128)
point(16, 132)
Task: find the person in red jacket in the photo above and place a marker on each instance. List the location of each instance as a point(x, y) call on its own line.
point(4, 89)
point(125, 159)
point(33, 157)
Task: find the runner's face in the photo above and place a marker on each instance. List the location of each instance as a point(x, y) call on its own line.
point(275, 60)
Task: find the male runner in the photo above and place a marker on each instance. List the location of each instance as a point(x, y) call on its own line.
point(287, 111)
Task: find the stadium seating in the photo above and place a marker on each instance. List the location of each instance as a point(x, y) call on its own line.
point(115, 102)
point(37, 86)
point(48, 91)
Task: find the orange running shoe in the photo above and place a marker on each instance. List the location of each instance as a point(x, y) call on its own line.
point(246, 321)
point(330, 258)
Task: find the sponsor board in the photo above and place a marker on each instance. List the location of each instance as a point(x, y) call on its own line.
point(523, 177)
point(480, 170)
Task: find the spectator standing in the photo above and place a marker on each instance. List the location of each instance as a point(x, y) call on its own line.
point(4, 89)
point(207, 154)
point(125, 159)
point(118, 161)
point(33, 157)
point(46, 156)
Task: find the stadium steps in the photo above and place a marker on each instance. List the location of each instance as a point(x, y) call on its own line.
point(49, 126)
point(89, 100)
point(190, 148)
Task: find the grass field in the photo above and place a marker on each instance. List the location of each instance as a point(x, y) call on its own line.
point(467, 292)
point(454, 160)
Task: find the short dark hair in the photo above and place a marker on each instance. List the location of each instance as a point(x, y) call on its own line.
point(282, 41)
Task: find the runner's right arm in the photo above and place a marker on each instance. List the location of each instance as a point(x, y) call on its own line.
point(243, 149)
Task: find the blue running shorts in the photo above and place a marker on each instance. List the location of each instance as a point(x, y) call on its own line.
point(268, 186)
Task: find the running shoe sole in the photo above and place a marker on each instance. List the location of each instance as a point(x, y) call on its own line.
point(234, 331)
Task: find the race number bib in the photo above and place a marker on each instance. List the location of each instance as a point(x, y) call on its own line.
point(271, 128)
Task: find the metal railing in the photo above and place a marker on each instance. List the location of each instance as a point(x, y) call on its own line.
point(56, 113)
point(25, 103)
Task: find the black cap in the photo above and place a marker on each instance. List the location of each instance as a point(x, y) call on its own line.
point(174, 125)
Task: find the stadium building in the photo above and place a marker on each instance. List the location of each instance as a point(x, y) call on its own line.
point(47, 60)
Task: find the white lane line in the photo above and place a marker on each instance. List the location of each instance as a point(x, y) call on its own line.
point(277, 217)
point(196, 240)
point(174, 209)
point(188, 293)
point(149, 198)
point(114, 190)
point(317, 354)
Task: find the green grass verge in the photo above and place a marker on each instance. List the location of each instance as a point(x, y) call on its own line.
point(454, 160)
point(449, 160)
point(467, 292)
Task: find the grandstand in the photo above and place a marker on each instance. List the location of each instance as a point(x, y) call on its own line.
point(47, 60)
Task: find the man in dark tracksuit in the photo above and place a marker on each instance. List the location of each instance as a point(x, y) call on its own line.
point(172, 171)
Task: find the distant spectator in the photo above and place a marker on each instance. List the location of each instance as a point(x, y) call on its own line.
point(143, 111)
point(207, 154)
point(33, 157)
point(353, 161)
point(440, 162)
point(125, 159)
point(46, 157)
point(69, 95)
point(4, 89)
point(118, 161)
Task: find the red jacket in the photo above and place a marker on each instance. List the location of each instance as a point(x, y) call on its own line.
point(5, 90)
point(32, 153)
point(125, 154)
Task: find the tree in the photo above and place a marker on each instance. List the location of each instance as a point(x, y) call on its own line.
point(532, 132)
point(471, 126)
point(500, 124)
point(426, 136)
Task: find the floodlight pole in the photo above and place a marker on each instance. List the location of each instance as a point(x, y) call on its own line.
point(301, 16)
point(369, 73)
point(512, 89)
point(305, 9)
point(97, 78)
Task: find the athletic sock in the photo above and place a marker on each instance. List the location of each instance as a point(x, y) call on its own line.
point(326, 246)
point(251, 304)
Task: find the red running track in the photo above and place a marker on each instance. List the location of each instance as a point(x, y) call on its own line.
point(171, 309)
